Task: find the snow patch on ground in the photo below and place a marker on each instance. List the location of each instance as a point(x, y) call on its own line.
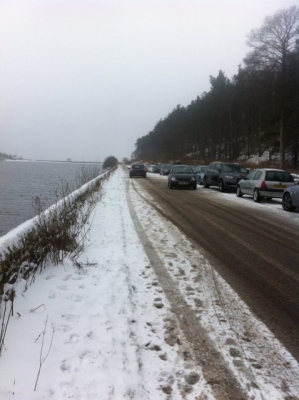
point(110, 319)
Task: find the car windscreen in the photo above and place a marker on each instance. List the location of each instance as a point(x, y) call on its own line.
point(167, 165)
point(182, 170)
point(278, 176)
point(233, 168)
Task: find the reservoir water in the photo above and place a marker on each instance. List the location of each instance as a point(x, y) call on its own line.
point(21, 181)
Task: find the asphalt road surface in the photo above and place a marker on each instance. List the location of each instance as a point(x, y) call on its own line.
point(255, 250)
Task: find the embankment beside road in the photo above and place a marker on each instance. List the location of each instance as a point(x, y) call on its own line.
point(57, 232)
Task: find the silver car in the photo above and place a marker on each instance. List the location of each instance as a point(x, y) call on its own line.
point(265, 182)
point(290, 198)
point(199, 172)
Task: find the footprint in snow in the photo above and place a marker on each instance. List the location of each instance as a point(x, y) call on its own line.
point(71, 318)
point(74, 339)
point(62, 287)
point(76, 298)
point(67, 277)
point(65, 366)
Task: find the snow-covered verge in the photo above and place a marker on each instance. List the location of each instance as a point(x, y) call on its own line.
point(14, 237)
point(107, 331)
point(55, 233)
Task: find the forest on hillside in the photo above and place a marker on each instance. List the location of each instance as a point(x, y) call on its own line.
point(5, 156)
point(257, 110)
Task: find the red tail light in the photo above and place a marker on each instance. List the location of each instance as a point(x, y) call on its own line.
point(263, 185)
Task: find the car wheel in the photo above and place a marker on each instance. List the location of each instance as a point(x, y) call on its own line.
point(205, 183)
point(287, 204)
point(221, 186)
point(256, 196)
point(195, 186)
point(239, 192)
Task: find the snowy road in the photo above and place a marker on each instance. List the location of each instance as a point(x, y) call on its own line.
point(255, 247)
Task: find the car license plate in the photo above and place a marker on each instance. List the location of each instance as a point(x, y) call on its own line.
point(183, 183)
point(280, 186)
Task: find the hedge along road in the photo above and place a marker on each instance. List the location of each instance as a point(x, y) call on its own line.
point(255, 250)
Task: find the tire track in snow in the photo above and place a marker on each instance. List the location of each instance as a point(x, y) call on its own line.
point(224, 384)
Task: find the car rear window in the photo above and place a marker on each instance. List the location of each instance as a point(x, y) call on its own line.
point(139, 166)
point(278, 176)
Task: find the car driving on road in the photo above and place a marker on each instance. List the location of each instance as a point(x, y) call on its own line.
point(137, 170)
point(181, 176)
point(224, 175)
point(265, 182)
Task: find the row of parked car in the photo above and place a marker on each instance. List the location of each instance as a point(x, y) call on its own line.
point(259, 183)
point(162, 169)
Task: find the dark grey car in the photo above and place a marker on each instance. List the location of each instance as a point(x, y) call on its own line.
point(137, 170)
point(182, 176)
point(224, 175)
point(165, 169)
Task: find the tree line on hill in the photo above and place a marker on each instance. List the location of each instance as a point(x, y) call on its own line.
point(257, 110)
point(5, 156)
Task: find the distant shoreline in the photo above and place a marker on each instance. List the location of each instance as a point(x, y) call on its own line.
point(74, 162)
point(54, 161)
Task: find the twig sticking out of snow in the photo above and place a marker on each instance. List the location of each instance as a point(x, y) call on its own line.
point(8, 297)
point(41, 358)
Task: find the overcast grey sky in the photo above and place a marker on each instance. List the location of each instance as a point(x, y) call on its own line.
point(84, 79)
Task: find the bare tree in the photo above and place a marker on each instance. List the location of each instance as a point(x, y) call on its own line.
point(272, 44)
